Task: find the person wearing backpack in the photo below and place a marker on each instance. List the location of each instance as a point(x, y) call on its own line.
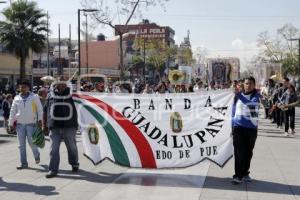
point(27, 110)
point(245, 123)
point(60, 118)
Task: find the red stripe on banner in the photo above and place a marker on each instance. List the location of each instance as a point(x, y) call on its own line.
point(143, 147)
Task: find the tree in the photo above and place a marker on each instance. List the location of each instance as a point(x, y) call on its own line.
point(23, 30)
point(126, 8)
point(280, 48)
point(157, 52)
point(136, 63)
point(185, 56)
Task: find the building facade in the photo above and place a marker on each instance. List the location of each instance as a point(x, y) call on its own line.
point(10, 69)
point(102, 57)
point(146, 32)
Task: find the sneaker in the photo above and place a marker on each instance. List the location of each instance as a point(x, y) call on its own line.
point(51, 174)
point(37, 161)
point(75, 168)
point(247, 179)
point(287, 134)
point(22, 167)
point(293, 132)
point(236, 181)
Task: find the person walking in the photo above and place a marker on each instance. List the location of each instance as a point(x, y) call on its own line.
point(265, 100)
point(6, 105)
point(289, 97)
point(27, 110)
point(245, 122)
point(281, 100)
point(60, 117)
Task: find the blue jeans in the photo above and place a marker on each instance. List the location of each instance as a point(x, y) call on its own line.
point(69, 136)
point(23, 131)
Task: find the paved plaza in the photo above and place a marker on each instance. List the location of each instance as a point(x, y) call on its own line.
point(275, 168)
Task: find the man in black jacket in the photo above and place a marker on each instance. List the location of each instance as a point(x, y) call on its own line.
point(60, 117)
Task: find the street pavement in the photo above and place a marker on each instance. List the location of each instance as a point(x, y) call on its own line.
point(275, 169)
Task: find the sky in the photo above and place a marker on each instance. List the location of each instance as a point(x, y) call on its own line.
point(224, 27)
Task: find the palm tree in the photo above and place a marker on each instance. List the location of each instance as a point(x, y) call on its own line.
point(23, 30)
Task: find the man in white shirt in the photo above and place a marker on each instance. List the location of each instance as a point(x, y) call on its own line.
point(27, 110)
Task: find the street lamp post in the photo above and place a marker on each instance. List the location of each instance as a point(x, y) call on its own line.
point(86, 43)
point(79, 52)
point(144, 59)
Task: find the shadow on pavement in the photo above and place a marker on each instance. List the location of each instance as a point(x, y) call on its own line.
point(4, 141)
point(180, 180)
point(162, 180)
point(270, 132)
point(143, 179)
point(102, 177)
point(255, 186)
point(7, 135)
point(24, 187)
point(282, 136)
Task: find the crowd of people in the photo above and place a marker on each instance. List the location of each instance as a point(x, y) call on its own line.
point(27, 110)
point(279, 100)
point(140, 87)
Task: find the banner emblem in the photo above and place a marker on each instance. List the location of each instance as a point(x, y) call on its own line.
point(176, 122)
point(93, 133)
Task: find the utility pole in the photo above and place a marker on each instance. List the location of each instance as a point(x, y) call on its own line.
point(299, 57)
point(144, 69)
point(70, 49)
point(59, 53)
point(79, 52)
point(86, 43)
point(48, 66)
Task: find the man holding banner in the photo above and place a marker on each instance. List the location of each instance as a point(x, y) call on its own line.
point(245, 122)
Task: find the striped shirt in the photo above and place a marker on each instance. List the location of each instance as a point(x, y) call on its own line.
point(246, 109)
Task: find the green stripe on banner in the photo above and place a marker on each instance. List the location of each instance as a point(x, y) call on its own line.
point(116, 145)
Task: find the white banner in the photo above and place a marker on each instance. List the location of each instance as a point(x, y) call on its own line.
point(156, 131)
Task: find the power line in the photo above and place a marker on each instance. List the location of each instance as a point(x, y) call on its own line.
point(233, 18)
point(234, 50)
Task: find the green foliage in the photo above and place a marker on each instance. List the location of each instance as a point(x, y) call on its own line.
point(281, 49)
point(157, 52)
point(186, 56)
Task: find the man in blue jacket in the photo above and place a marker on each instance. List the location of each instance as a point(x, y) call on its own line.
point(245, 122)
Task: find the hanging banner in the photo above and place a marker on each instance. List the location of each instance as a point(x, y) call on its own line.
point(156, 131)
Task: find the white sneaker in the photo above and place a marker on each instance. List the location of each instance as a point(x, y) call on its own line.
point(286, 134)
point(293, 132)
